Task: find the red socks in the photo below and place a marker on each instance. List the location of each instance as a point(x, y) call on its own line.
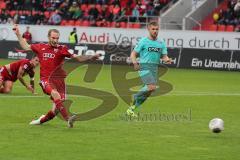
point(50, 115)
point(61, 109)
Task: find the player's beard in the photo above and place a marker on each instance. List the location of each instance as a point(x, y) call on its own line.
point(154, 35)
point(53, 43)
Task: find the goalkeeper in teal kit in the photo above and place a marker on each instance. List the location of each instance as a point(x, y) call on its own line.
point(149, 50)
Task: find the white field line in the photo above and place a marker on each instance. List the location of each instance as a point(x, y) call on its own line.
point(170, 94)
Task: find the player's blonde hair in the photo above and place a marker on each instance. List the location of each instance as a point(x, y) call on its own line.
point(153, 23)
point(53, 30)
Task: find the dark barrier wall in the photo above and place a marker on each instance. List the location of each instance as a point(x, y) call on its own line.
point(235, 59)
point(205, 59)
point(183, 58)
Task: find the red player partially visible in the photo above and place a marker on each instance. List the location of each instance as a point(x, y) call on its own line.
point(51, 57)
point(27, 35)
point(12, 72)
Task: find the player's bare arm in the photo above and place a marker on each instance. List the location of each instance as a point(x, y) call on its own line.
point(32, 84)
point(20, 75)
point(22, 42)
point(133, 57)
point(166, 59)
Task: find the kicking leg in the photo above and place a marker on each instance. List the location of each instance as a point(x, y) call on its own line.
point(57, 107)
point(44, 118)
point(59, 104)
point(50, 115)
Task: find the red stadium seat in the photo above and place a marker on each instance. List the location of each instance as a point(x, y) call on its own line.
point(47, 14)
point(99, 8)
point(78, 23)
point(203, 28)
point(229, 28)
point(163, 1)
point(212, 27)
point(221, 28)
point(110, 8)
point(113, 24)
point(34, 12)
point(70, 23)
point(49, 10)
point(136, 25)
point(99, 23)
point(90, 6)
point(85, 23)
point(84, 7)
point(28, 12)
point(130, 25)
point(108, 24)
point(12, 13)
point(20, 12)
point(63, 23)
point(123, 24)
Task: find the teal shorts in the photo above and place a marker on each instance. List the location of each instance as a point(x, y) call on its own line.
point(148, 76)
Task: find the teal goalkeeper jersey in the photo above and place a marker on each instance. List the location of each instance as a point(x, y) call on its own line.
point(150, 52)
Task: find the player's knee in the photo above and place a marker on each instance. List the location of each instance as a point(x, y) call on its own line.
point(7, 90)
point(151, 88)
point(55, 95)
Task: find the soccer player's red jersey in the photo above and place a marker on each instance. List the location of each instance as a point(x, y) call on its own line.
point(51, 59)
point(14, 68)
point(27, 36)
point(27, 67)
point(51, 73)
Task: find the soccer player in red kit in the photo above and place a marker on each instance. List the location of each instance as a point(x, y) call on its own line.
point(51, 57)
point(9, 73)
point(27, 35)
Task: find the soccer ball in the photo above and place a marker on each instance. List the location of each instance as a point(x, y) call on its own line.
point(216, 125)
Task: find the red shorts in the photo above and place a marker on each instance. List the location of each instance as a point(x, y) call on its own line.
point(4, 75)
point(54, 83)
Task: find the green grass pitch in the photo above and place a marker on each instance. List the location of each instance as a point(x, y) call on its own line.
point(199, 95)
